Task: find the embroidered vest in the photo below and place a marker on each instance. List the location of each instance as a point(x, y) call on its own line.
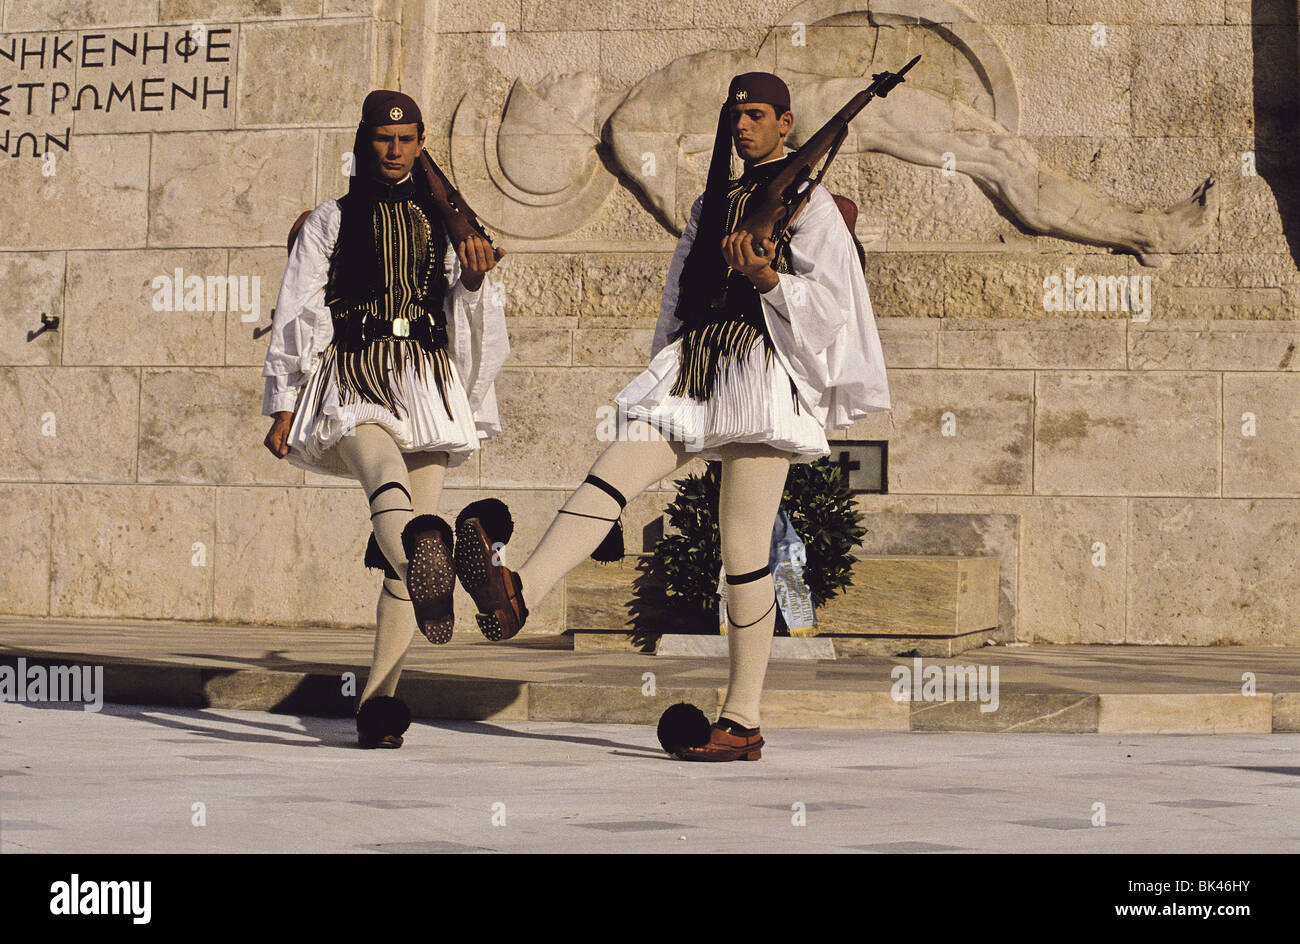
point(727, 326)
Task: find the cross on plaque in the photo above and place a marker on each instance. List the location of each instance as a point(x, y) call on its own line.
point(845, 466)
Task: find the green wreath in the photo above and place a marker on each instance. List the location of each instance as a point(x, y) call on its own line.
point(821, 507)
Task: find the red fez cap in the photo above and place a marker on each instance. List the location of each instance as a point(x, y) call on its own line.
point(386, 107)
point(759, 87)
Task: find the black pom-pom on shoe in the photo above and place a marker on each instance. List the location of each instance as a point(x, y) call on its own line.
point(493, 515)
point(418, 526)
point(683, 725)
point(382, 721)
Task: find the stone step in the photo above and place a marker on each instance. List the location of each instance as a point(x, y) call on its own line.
point(784, 648)
point(897, 605)
point(916, 596)
point(434, 696)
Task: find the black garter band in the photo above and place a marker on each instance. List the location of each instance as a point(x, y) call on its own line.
point(385, 487)
point(565, 511)
point(749, 577)
point(611, 548)
point(608, 489)
point(759, 620)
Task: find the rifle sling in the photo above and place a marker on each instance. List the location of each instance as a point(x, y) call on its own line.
point(803, 195)
point(445, 196)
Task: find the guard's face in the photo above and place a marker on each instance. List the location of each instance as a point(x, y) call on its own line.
point(757, 132)
point(395, 149)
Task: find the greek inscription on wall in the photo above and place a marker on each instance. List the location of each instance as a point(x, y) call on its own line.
point(54, 86)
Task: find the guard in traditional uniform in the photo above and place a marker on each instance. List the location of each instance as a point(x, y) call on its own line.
point(383, 351)
point(759, 350)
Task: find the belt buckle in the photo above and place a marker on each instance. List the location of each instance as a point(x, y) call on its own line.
point(401, 328)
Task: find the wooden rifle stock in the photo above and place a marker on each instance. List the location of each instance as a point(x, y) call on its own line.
point(781, 200)
point(460, 218)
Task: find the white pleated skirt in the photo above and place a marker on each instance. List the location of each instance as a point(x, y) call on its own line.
point(752, 402)
point(425, 425)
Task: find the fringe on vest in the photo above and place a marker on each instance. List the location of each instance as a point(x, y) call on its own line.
point(363, 375)
point(708, 352)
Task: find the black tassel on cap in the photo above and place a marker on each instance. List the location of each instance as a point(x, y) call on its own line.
point(704, 269)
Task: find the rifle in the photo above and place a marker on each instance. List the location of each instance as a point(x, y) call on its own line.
point(780, 201)
point(459, 217)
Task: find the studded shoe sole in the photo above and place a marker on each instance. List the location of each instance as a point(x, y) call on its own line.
point(430, 579)
point(494, 588)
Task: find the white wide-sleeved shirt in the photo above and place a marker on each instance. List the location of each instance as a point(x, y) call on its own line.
point(302, 326)
point(819, 316)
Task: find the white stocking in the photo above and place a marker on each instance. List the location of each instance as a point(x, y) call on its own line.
point(753, 478)
point(370, 453)
point(630, 466)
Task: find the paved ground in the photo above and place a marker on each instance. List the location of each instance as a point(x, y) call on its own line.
point(128, 780)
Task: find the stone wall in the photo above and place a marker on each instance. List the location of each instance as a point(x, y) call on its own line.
point(1137, 475)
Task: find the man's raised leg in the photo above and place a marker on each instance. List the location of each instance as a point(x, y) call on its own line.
point(624, 470)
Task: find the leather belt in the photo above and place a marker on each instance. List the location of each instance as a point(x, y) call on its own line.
point(357, 329)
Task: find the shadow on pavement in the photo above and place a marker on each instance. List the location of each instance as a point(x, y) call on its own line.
point(482, 727)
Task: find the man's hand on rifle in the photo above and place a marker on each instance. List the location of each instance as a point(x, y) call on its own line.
point(275, 439)
point(476, 260)
point(738, 251)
